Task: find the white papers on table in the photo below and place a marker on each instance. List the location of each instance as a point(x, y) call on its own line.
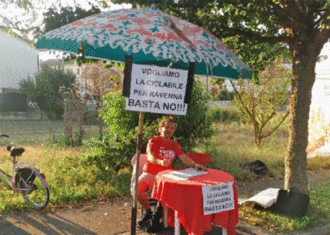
point(185, 174)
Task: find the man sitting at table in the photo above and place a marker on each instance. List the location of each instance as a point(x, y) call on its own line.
point(161, 152)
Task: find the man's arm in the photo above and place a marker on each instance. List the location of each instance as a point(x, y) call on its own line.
point(187, 161)
point(151, 157)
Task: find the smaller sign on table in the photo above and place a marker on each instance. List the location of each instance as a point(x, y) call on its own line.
point(218, 198)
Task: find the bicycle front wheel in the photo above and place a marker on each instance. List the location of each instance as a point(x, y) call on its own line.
point(34, 189)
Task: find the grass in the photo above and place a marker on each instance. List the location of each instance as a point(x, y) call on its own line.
point(69, 179)
point(233, 146)
point(318, 163)
point(36, 132)
point(318, 214)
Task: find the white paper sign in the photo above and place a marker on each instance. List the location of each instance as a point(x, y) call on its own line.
point(218, 198)
point(157, 90)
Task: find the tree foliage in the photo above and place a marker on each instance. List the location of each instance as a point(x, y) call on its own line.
point(190, 127)
point(28, 87)
point(54, 18)
point(24, 17)
point(264, 105)
point(73, 100)
point(224, 21)
point(48, 85)
point(100, 81)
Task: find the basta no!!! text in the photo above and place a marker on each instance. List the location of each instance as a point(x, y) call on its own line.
point(219, 207)
point(156, 105)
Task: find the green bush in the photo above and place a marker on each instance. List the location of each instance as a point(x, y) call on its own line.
point(190, 127)
point(224, 115)
point(226, 95)
point(47, 89)
point(119, 146)
point(28, 87)
point(116, 152)
point(120, 120)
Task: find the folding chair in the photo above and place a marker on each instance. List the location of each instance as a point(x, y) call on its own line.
point(143, 160)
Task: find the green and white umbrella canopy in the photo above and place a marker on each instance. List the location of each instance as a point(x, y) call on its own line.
point(150, 36)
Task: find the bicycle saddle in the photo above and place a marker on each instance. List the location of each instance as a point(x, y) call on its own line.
point(15, 151)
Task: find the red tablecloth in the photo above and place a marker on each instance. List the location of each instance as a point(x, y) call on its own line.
point(186, 197)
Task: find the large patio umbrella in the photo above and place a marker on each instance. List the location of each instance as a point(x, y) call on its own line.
point(149, 36)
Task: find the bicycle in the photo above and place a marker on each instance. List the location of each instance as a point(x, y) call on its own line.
point(27, 179)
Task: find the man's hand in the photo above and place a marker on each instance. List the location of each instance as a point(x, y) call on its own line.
point(200, 167)
point(166, 162)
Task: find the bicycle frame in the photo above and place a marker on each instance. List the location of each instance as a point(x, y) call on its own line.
point(5, 176)
point(26, 179)
point(16, 165)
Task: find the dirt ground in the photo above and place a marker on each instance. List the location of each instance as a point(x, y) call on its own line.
point(114, 217)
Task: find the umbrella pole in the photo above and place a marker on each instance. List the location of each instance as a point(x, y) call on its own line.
point(136, 177)
point(207, 98)
point(207, 93)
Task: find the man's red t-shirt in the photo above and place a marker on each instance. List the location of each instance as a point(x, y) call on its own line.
point(162, 149)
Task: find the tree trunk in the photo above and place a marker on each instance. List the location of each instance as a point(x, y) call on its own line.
point(81, 104)
point(304, 61)
point(257, 134)
point(98, 118)
point(68, 109)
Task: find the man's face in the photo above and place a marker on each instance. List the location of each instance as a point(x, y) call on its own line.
point(167, 131)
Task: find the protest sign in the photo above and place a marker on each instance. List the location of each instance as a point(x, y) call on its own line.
point(157, 90)
point(218, 198)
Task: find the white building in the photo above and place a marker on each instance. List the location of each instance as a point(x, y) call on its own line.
point(18, 60)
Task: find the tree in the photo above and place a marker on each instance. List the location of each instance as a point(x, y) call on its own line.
point(100, 81)
point(54, 18)
point(223, 25)
point(28, 87)
point(48, 85)
point(262, 104)
point(24, 17)
point(73, 99)
point(247, 26)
